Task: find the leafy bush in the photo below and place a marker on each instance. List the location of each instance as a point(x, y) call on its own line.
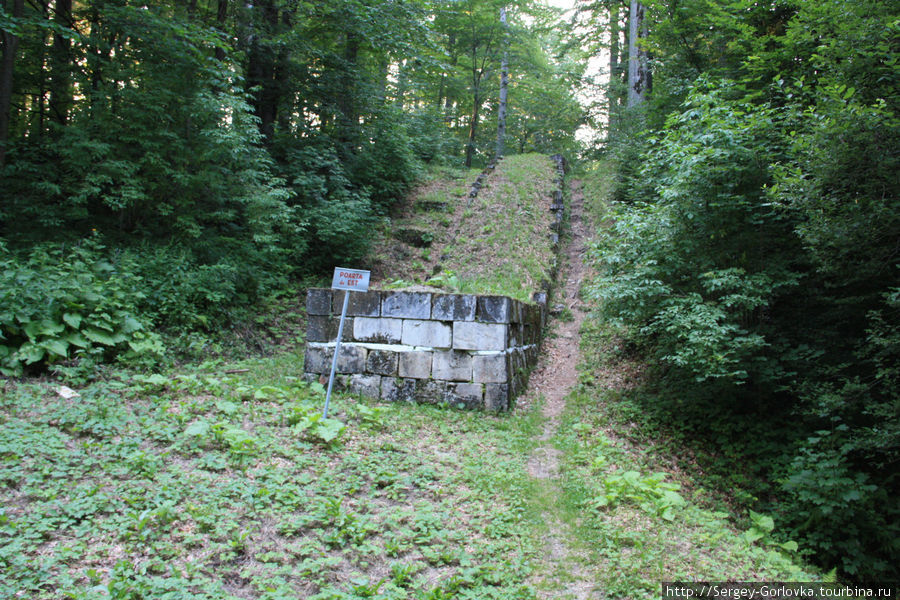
point(69, 302)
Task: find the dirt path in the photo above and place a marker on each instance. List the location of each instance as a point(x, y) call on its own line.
point(565, 575)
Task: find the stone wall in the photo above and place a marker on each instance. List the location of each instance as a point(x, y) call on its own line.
point(458, 349)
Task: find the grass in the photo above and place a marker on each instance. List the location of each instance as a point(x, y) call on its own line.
point(204, 484)
point(507, 226)
point(200, 484)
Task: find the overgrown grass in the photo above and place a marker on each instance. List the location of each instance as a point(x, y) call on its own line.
point(204, 484)
point(508, 226)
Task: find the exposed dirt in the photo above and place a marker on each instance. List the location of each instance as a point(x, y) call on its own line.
point(551, 382)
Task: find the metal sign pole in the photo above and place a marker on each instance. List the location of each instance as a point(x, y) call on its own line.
point(337, 348)
point(349, 280)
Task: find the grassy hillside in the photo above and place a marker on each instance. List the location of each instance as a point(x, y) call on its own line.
point(498, 242)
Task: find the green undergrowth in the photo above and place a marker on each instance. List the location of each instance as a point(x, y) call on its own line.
point(206, 483)
point(642, 520)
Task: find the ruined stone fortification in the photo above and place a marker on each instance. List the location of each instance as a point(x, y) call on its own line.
point(467, 350)
point(456, 349)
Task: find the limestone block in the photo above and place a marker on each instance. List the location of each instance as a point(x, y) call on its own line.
point(388, 389)
point(318, 301)
point(317, 359)
point(515, 335)
point(433, 334)
point(366, 385)
point(352, 359)
point(416, 364)
point(320, 328)
point(361, 304)
point(453, 307)
point(468, 335)
point(496, 396)
point(452, 365)
point(466, 395)
point(489, 368)
point(382, 362)
point(429, 391)
point(378, 330)
point(494, 309)
point(406, 305)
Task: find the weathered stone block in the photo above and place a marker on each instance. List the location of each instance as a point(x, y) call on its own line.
point(496, 396)
point(515, 335)
point(318, 301)
point(352, 359)
point(469, 335)
point(377, 330)
point(466, 395)
point(366, 385)
point(317, 359)
point(433, 334)
point(382, 362)
point(361, 304)
point(453, 307)
point(489, 368)
point(493, 309)
point(518, 312)
point(320, 328)
point(398, 390)
point(416, 365)
point(407, 305)
point(452, 366)
point(430, 391)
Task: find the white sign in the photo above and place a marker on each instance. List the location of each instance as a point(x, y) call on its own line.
point(350, 279)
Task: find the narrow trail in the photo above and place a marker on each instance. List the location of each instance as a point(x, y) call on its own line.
point(551, 382)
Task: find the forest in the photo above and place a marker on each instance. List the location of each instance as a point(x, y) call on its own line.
point(166, 168)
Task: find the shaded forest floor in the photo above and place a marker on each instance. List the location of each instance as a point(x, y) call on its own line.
point(220, 480)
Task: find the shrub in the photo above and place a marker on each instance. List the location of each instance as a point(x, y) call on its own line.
point(68, 302)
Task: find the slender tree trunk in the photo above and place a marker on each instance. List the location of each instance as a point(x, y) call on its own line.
point(504, 83)
point(221, 16)
point(61, 66)
point(473, 129)
point(638, 63)
point(454, 58)
point(261, 72)
point(348, 119)
point(7, 67)
point(612, 93)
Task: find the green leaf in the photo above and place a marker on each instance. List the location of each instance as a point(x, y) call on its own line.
point(102, 337)
point(229, 408)
point(130, 325)
point(329, 429)
point(762, 522)
point(76, 339)
point(30, 353)
point(73, 319)
point(790, 546)
point(56, 346)
point(197, 428)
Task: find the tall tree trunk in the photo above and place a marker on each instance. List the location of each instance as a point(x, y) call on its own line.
point(612, 94)
point(473, 129)
point(348, 119)
point(61, 66)
point(504, 83)
point(221, 16)
point(7, 67)
point(454, 58)
point(638, 63)
point(261, 66)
